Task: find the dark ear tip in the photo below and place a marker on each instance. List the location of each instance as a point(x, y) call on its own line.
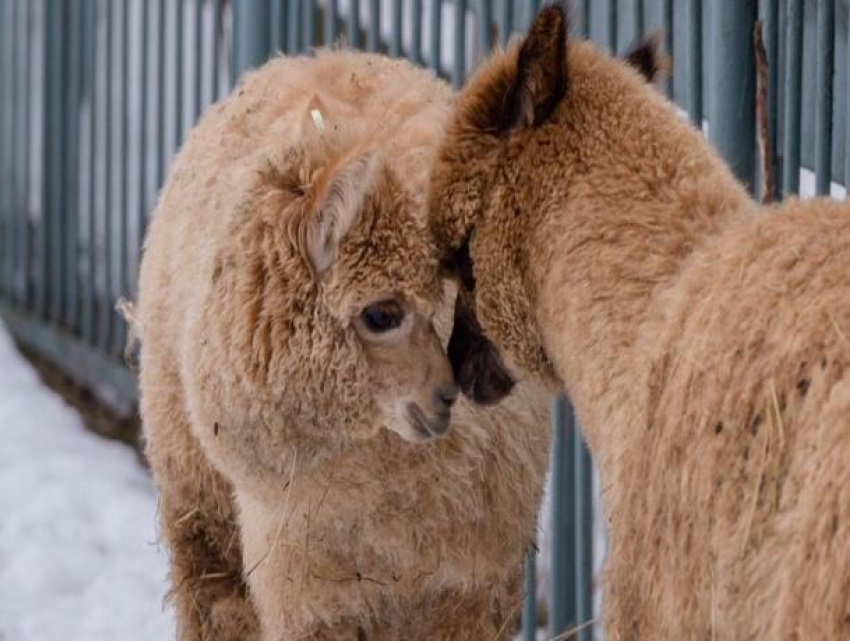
point(553, 15)
point(646, 56)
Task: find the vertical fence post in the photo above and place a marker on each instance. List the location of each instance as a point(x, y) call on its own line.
point(506, 21)
point(397, 17)
point(695, 60)
point(373, 35)
point(70, 206)
point(7, 126)
point(731, 116)
point(485, 26)
point(459, 68)
point(416, 27)
point(823, 104)
point(793, 97)
point(435, 21)
point(309, 39)
point(847, 118)
point(563, 597)
point(771, 41)
point(330, 22)
point(52, 250)
point(583, 475)
point(529, 601)
point(25, 106)
point(251, 35)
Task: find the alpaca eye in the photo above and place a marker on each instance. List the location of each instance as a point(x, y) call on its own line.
point(383, 316)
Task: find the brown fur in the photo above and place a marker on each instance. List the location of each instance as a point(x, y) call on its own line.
point(702, 339)
point(264, 408)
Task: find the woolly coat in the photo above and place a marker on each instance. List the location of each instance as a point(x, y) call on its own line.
point(338, 537)
point(703, 339)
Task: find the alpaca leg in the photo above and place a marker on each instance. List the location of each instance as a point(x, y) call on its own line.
point(198, 523)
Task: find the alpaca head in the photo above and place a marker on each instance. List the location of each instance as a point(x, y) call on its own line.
point(317, 328)
point(505, 158)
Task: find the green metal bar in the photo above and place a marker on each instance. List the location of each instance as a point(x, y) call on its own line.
point(105, 304)
point(217, 35)
point(373, 34)
point(416, 35)
point(70, 209)
point(793, 98)
point(309, 38)
point(251, 44)
point(162, 46)
point(506, 21)
point(180, 68)
point(847, 120)
point(613, 26)
point(696, 63)
point(639, 17)
point(583, 471)
point(293, 39)
point(485, 28)
point(397, 22)
point(435, 21)
point(144, 85)
point(529, 602)
point(771, 44)
point(823, 105)
point(585, 19)
point(24, 98)
point(277, 24)
point(563, 597)
point(354, 24)
point(123, 213)
point(7, 179)
point(53, 248)
point(199, 54)
point(731, 114)
point(459, 69)
point(331, 22)
point(90, 38)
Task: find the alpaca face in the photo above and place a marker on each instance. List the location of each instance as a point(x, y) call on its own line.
point(506, 160)
point(317, 330)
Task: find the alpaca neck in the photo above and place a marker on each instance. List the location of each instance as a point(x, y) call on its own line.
point(599, 265)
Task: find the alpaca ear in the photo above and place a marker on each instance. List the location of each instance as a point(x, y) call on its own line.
point(645, 55)
point(541, 78)
point(338, 210)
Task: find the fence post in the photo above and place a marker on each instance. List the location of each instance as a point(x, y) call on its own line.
point(731, 108)
point(563, 597)
point(251, 34)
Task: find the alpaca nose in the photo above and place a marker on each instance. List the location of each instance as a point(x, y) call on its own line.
point(446, 395)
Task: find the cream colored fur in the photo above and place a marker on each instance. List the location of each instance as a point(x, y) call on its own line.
point(288, 509)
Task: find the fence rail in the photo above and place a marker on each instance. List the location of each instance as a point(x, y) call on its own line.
point(97, 95)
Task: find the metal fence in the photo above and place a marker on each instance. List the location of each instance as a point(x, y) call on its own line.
point(97, 95)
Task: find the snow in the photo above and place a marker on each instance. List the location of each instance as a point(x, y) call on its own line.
point(78, 552)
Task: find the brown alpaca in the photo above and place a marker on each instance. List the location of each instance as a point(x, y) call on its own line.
point(292, 378)
point(703, 339)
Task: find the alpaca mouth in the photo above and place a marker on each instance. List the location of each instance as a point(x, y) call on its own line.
point(424, 427)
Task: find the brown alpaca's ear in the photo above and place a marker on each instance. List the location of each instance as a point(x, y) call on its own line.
point(541, 78)
point(645, 55)
point(338, 210)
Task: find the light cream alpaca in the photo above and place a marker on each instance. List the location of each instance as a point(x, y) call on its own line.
point(703, 339)
point(291, 223)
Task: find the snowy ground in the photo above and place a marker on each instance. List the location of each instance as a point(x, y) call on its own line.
point(78, 558)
